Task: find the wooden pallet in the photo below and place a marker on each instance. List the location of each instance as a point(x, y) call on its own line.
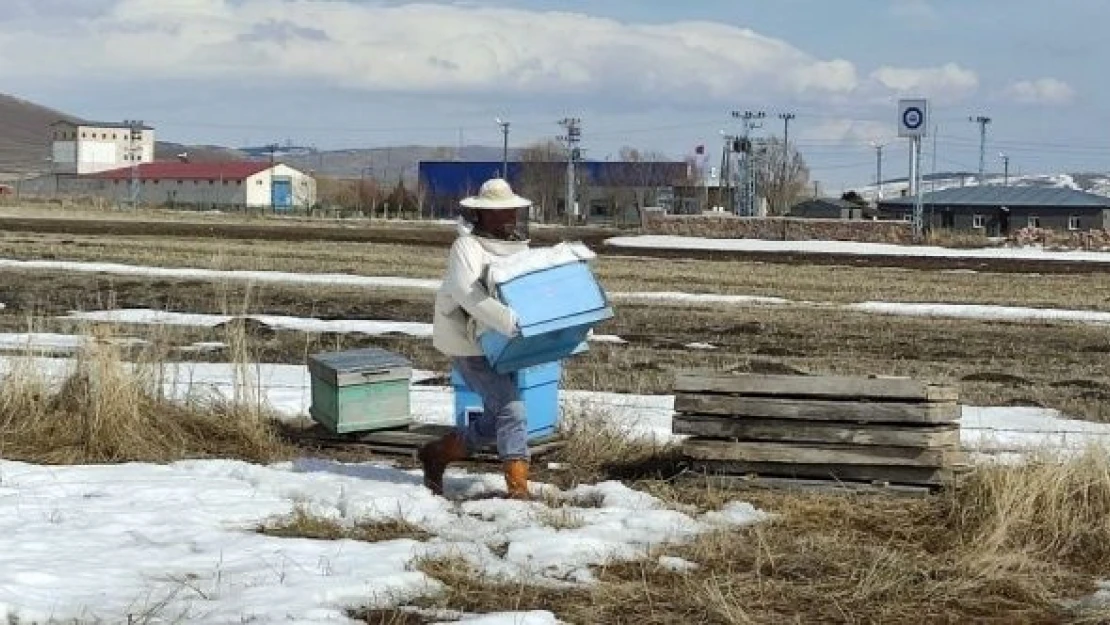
point(822, 431)
point(407, 441)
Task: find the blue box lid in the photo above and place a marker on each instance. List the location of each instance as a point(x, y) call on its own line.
point(557, 308)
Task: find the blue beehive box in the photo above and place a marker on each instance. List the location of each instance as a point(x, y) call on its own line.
point(539, 389)
point(557, 308)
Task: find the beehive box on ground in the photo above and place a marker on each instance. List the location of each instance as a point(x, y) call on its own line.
point(360, 390)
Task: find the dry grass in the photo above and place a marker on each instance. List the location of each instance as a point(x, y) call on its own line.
point(843, 283)
point(394, 616)
point(110, 410)
point(303, 524)
point(1059, 365)
point(1014, 544)
point(596, 447)
point(1047, 508)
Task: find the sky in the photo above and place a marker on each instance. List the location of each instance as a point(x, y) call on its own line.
point(656, 75)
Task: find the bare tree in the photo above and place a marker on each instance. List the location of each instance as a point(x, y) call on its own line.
point(635, 181)
point(543, 176)
point(781, 173)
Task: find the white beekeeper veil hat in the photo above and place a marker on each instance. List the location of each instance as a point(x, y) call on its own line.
point(495, 194)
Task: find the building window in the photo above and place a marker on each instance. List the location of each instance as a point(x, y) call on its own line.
point(979, 221)
point(238, 183)
point(82, 135)
point(1034, 221)
point(180, 182)
point(1073, 222)
point(211, 182)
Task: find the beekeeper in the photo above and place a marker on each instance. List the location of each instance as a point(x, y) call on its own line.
point(464, 310)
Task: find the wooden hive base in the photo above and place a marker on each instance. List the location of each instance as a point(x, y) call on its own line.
point(407, 441)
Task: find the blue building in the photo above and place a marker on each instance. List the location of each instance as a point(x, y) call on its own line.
point(608, 190)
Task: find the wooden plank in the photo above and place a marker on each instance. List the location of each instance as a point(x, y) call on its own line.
point(829, 387)
point(824, 486)
point(407, 441)
point(817, 410)
point(785, 430)
point(927, 476)
point(813, 453)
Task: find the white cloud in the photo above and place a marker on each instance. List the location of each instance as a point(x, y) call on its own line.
point(946, 82)
point(849, 131)
point(1050, 91)
point(435, 49)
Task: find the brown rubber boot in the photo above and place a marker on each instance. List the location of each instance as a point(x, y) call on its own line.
point(516, 479)
point(435, 457)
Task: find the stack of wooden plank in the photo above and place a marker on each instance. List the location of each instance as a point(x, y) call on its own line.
point(844, 430)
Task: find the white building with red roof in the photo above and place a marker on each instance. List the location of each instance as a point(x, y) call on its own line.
point(229, 184)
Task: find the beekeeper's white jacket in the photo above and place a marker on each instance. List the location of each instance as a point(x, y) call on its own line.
point(464, 308)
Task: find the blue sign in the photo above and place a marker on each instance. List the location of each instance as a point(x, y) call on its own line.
point(913, 117)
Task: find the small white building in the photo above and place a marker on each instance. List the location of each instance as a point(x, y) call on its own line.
point(90, 147)
point(232, 184)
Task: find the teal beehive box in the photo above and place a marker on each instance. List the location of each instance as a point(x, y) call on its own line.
point(361, 390)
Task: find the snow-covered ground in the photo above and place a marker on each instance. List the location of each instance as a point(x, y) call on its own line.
point(853, 248)
point(179, 539)
point(146, 316)
point(105, 542)
point(423, 330)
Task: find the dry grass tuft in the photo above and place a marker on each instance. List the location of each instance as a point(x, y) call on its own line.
point(1048, 508)
point(596, 447)
point(303, 524)
point(559, 518)
point(109, 410)
point(467, 589)
point(393, 616)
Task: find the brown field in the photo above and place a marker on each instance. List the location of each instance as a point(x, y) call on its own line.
point(1010, 545)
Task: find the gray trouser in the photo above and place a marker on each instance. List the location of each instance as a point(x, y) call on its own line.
point(503, 418)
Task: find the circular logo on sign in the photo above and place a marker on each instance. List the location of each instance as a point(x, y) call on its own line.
point(913, 118)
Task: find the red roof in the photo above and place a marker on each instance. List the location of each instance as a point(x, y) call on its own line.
point(176, 170)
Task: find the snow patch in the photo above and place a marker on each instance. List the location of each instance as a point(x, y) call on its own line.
point(852, 248)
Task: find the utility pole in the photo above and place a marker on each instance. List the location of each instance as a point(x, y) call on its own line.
point(786, 119)
point(504, 148)
point(273, 147)
point(1005, 170)
point(135, 150)
point(748, 120)
point(983, 121)
point(573, 136)
point(879, 167)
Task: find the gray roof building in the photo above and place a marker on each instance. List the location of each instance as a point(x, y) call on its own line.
point(1013, 197)
point(998, 211)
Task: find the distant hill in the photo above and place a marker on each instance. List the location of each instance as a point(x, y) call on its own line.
point(25, 146)
point(165, 151)
point(25, 135)
point(385, 164)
